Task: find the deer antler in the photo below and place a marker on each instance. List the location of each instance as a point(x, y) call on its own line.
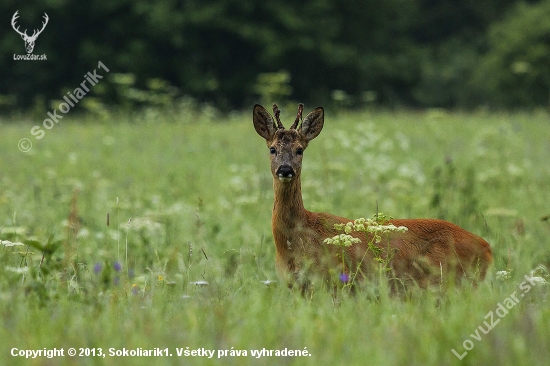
point(277, 113)
point(298, 116)
point(13, 19)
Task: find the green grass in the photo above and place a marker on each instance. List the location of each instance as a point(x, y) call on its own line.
point(198, 191)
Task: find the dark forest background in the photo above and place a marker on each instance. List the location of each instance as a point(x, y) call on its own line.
point(459, 54)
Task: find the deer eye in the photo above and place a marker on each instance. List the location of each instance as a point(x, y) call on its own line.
point(299, 151)
point(272, 150)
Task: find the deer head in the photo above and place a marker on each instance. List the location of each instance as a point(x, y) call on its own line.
point(29, 40)
point(287, 146)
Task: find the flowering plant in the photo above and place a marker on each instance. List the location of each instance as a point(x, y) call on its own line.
point(377, 226)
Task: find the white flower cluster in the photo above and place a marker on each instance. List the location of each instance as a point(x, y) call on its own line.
point(343, 240)
point(539, 275)
point(371, 226)
point(362, 225)
point(7, 243)
point(503, 275)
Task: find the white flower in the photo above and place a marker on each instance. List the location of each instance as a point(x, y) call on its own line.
point(537, 280)
point(342, 240)
point(362, 225)
point(348, 228)
point(503, 275)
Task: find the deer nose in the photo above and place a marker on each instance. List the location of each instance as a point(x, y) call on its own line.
point(285, 172)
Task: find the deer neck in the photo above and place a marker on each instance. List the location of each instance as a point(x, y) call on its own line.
point(289, 214)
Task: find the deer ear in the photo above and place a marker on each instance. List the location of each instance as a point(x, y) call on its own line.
point(263, 122)
point(313, 124)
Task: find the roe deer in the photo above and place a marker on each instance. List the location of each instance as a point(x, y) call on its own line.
point(428, 250)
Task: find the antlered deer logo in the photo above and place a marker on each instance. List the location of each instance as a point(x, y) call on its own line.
point(29, 40)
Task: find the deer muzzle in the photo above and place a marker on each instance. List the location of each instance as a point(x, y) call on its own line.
point(285, 173)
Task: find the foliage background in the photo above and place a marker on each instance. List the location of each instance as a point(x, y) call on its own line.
point(419, 53)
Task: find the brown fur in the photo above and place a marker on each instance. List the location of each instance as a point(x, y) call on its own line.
point(429, 249)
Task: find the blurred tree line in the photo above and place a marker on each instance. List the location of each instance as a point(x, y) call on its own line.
point(231, 54)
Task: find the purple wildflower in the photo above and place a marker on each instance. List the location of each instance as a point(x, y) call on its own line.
point(118, 266)
point(344, 277)
point(97, 268)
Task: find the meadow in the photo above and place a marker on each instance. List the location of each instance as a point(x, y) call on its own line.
point(151, 230)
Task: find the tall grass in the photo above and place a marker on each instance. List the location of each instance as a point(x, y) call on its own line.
point(184, 258)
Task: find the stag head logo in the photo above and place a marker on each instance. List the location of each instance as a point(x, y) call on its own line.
point(29, 40)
